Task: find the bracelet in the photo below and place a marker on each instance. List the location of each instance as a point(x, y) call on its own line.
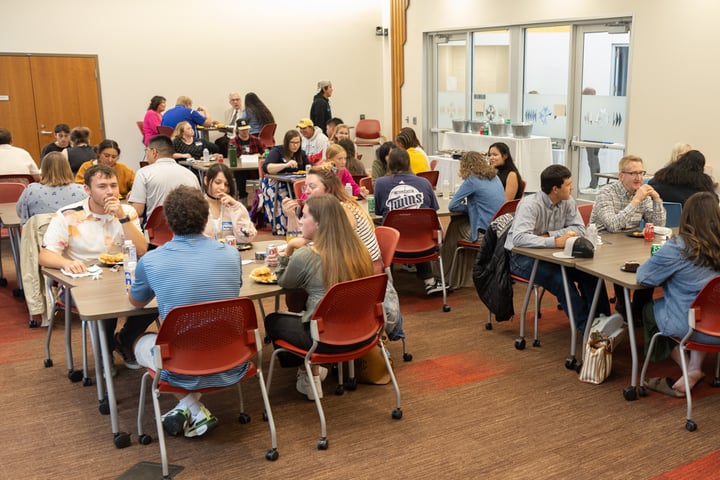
point(125, 220)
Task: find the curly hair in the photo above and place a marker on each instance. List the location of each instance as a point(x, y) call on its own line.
point(186, 210)
point(700, 229)
point(687, 171)
point(475, 163)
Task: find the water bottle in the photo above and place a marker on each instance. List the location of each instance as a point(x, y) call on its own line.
point(348, 189)
point(232, 153)
point(129, 263)
point(446, 189)
point(206, 155)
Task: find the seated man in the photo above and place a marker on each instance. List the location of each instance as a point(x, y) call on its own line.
point(547, 219)
point(314, 141)
point(622, 205)
point(189, 255)
point(183, 111)
point(81, 231)
point(246, 144)
point(14, 160)
point(62, 140)
point(232, 115)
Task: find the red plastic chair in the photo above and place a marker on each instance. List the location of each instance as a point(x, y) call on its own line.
point(431, 176)
point(24, 178)
point(203, 339)
point(157, 229)
point(165, 130)
point(703, 317)
point(267, 134)
point(585, 210)
point(433, 163)
point(298, 188)
point(350, 313)
point(420, 234)
point(367, 133)
point(367, 183)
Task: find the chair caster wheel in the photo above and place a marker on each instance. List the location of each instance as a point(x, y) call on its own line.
point(18, 293)
point(407, 357)
point(145, 439)
point(520, 344)
point(339, 390)
point(578, 366)
point(75, 375)
point(265, 416)
point(488, 326)
point(48, 362)
point(322, 444)
point(33, 324)
point(104, 407)
point(3, 282)
point(571, 363)
point(266, 340)
point(351, 384)
point(690, 426)
point(642, 391)
point(397, 414)
point(87, 382)
point(716, 383)
point(272, 455)
point(446, 308)
point(244, 418)
point(630, 394)
point(536, 343)
point(121, 439)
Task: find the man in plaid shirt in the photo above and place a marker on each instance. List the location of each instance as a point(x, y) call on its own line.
point(245, 144)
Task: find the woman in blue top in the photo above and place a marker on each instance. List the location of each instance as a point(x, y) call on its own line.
point(683, 266)
point(480, 195)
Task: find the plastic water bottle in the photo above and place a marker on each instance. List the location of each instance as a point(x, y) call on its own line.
point(206, 155)
point(348, 189)
point(129, 263)
point(446, 189)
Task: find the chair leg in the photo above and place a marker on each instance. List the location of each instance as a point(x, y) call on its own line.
point(536, 317)
point(271, 454)
point(643, 390)
point(160, 434)
point(690, 425)
point(445, 307)
point(451, 273)
point(143, 438)
point(322, 444)
point(397, 412)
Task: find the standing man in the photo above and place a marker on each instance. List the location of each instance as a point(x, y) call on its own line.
point(183, 111)
point(593, 157)
point(245, 144)
point(314, 141)
point(320, 111)
point(81, 231)
point(14, 160)
point(152, 183)
point(622, 205)
point(186, 211)
point(547, 219)
point(62, 140)
point(232, 115)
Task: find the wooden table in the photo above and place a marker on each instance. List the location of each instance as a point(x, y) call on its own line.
point(9, 219)
point(205, 131)
point(106, 298)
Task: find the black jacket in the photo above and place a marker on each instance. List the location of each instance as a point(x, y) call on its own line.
point(491, 273)
point(320, 111)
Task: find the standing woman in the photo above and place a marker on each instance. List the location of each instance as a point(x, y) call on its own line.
point(500, 158)
point(480, 195)
point(380, 164)
point(55, 189)
point(109, 154)
point(227, 215)
point(329, 252)
point(285, 158)
point(682, 266)
point(187, 146)
point(153, 117)
point(80, 151)
point(256, 113)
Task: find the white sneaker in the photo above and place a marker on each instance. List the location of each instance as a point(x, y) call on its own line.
point(303, 385)
point(323, 374)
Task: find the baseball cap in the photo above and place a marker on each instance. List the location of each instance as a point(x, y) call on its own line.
point(305, 122)
point(322, 84)
point(242, 124)
point(577, 247)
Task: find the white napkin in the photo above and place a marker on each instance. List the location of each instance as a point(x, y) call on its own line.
point(92, 271)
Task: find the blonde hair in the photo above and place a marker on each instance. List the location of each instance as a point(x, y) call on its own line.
point(178, 132)
point(183, 100)
point(333, 186)
point(627, 159)
point(332, 151)
point(475, 163)
point(55, 170)
point(678, 149)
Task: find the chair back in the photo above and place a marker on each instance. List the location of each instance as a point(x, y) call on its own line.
point(367, 132)
point(433, 163)
point(357, 178)
point(704, 314)
point(431, 176)
point(11, 191)
point(673, 211)
point(144, 163)
point(387, 239)
point(367, 183)
point(522, 188)
point(419, 229)
point(165, 130)
point(139, 124)
point(508, 207)
point(350, 312)
point(261, 172)
point(157, 228)
point(298, 188)
point(585, 210)
point(267, 134)
point(24, 178)
point(209, 337)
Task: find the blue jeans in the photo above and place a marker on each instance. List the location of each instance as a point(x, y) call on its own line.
point(582, 286)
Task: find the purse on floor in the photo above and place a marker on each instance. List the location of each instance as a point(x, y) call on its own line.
point(605, 334)
point(371, 368)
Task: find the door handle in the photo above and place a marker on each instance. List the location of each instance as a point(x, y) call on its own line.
point(45, 132)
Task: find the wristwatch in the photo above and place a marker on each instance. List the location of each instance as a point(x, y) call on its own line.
point(125, 220)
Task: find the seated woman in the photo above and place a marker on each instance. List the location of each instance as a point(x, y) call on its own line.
point(329, 252)
point(109, 154)
point(380, 164)
point(153, 117)
point(419, 161)
point(256, 113)
point(227, 215)
point(55, 189)
point(187, 146)
point(337, 155)
point(683, 177)
point(80, 151)
point(500, 158)
point(682, 266)
point(340, 132)
point(480, 195)
point(678, 150)
point(285, 158)
point(354, 165)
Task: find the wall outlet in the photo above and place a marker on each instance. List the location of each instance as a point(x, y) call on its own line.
point(414, 120)
point(362, 116)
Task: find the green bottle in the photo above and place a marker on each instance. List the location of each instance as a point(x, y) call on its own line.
point(232, 153)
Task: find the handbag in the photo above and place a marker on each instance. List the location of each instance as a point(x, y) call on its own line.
point(605, 334)
point(371, 368)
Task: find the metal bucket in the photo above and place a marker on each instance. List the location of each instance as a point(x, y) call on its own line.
point(460, 126)
point(522, 130)
point(476, 127)
point(499, 129)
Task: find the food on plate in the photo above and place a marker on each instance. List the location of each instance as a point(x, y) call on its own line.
point(110, 258)
point(263, 275)
point(300, 172)
point(220, 125)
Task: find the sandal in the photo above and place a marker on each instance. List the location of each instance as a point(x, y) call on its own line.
point(664, 385)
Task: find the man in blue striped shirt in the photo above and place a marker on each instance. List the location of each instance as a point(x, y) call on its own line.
point(191, 268)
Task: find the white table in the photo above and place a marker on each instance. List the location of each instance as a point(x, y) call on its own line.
point(531, 155)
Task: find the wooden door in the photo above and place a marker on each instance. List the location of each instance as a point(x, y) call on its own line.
point(48, 90)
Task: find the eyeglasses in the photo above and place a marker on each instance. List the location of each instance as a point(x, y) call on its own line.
point(295, 143)
point(641, 173)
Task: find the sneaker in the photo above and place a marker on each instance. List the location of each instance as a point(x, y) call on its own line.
point(175, 421)
point(408, 268)
point(202, 423)
point(323, 373)
point(302, 385)
point(127, 353)
point(433, 288)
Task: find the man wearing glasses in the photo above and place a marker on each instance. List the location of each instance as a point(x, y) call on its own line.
point(622, 206)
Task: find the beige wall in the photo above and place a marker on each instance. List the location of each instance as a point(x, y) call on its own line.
point(279, 49)
point(673, 69)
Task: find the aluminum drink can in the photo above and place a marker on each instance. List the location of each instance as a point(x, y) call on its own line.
point(271, 250)
point(230, 240)
point(371, 203)
point(649, 231)
point(654, 248)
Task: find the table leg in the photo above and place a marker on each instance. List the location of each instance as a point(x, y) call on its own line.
point(591, 316)
point(630, 393)
point(73, 375)
point(95, 343)
point(520, 341)
point(120, 439)
point(571, 362)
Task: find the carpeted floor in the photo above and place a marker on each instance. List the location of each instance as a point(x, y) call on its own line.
point(474, 407)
